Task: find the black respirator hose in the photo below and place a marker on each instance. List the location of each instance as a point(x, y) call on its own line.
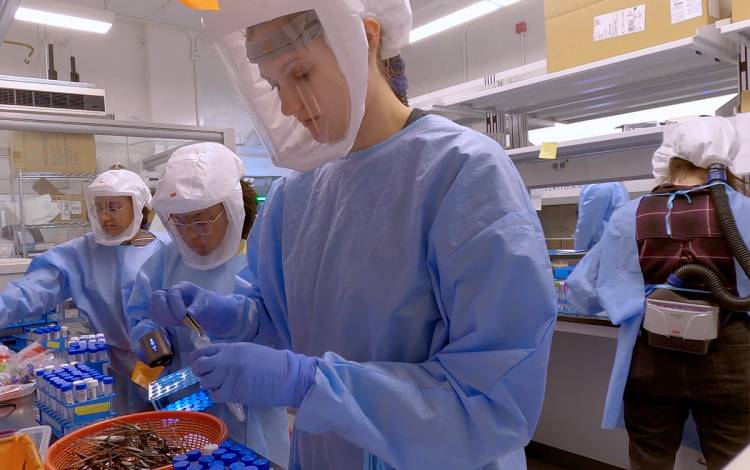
point(712, 280)
point(720, 293)
point(729, 227)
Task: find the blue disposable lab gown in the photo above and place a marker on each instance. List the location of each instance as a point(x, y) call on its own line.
point(596, 205)
point(610, 278)
point(266, 431)
point(417, 271)
point(99, 279)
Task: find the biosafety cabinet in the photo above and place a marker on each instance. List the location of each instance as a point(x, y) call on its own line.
point(47, 160)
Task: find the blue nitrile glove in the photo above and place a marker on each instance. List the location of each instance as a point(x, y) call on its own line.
point(254, 375)
point(216, 313)
point(140, 330)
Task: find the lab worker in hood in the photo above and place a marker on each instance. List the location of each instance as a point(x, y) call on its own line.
point(596, 205)
point(659, 379)
point(400, 275)
point(97, 271)
point(208, 210)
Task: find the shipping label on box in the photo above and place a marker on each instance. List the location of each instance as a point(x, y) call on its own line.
point(71, 206)
point(684, 10)
point(610, 28)
point(620, 23)
point(70, 209)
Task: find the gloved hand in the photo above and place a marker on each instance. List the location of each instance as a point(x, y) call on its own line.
point(139, 331)
point(254, 375)
point(214, 312)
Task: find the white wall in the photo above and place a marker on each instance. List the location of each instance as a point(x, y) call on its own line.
point(493, 45)
point(148, 73)
point(123, 74)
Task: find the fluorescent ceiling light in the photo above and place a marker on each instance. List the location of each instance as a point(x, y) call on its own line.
point(65, 15)
point(457, 18)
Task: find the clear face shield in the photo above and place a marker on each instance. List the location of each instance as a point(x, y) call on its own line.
point(114, 214)
point(115, 202)
point(303, 85)
point(296, 64)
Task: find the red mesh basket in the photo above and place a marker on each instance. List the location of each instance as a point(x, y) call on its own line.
point(193, 430)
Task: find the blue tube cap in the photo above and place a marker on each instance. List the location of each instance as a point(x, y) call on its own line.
point(218, 453)
point(181, 465)
point(179, 458)
point(262, 464)
point(227, 444)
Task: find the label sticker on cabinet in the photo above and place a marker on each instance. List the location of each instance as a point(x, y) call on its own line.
point(683, 10)
point(619, 23)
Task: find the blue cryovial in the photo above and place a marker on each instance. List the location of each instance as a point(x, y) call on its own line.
point(237, 466)
point(262, 464)
point(179, 458)
point(229, 458)
point(218, 453)
point(181, 465)
point(206, 461)
point(193, 455)
point(227, 444)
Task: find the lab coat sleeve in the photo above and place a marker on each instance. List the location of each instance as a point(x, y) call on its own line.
point(582, 282)
point(42, 287)
point(609, 277)
point(146, 282)
point(255, 322)
point(478, 396)
point(244, 300)
point(591, 214)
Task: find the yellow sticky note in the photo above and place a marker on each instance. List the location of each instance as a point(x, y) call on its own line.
point(143, 375)
point(549, 151)
point(53, 344)
point(209, 5)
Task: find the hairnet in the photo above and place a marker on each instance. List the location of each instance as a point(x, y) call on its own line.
point(197, 177)
point(117, 183)
point(702, 141)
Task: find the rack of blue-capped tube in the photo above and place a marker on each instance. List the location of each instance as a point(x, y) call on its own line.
point(227, 455)
point(179, 391)
point(78, 392)
point(20, 334)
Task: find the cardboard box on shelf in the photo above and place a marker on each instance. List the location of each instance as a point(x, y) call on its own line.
point(745, 102)
point(740, 10)
point(555, 8)
point(72, 208)
point(608, 28)
point(50, 152)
